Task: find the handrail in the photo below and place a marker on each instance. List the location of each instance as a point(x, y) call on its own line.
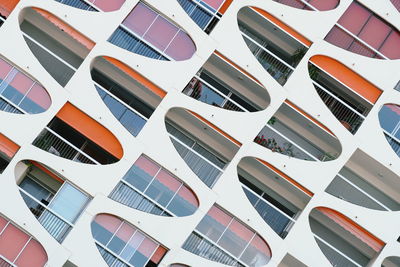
point(266, 50)
point(362, 191)
point(46, 207)
point(336, 250)
point(195, 152)
point(73, 146)
point(269, 203)
point(299, 147)
point(122, 102)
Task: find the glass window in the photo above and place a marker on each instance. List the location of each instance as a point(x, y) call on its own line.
point(17, 88)
point(132, 246)
point(143, 253)
point(160, 33)
point(121, 238)
point(354, 18)
point(184, 203)
point(107, 5)
point(37, 100)
point(374, 32)
point(257, 253)
point(140, 19)
point(141, 173)
point(163, 188)
point(235, 238)
point(5, 69)
point(104, 226)
point(181, 47)
point(214, 223)
point(12, 240)
point(33, 255)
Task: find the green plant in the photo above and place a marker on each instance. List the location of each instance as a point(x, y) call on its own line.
point(298, 55)
point(313, 71)
point(272, 120)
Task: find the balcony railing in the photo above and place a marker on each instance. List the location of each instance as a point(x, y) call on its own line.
point(279, 221)
point(56, 66)
point(203, 91)
point(393, 142)
point(277, 142)
point(5, 263)
point(8, 106)
point(345, 189)
point(54, 143)
point(55, 224)
point(204, 16)
point(346, 114)
point(335, 256)
point(131, 119)
point(81, 4)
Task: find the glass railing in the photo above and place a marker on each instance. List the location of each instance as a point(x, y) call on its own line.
point(350, 118)
point(335, 256)
point(275, 218)
point(55, 224)
point(205, 18)
point(131, 119)
point(81, 4)
point(393, 142)
point(48, 140)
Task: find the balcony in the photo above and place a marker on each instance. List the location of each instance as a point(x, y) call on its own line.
point(389, 119)
point(204, 148)
point(93, 5)
point(156, 37)
point(55, 202)
point(129, 96)
point(277, 198)
point(365, 182)
point(205, 13)
point(122, 244)
point(59, 48)
point(7, 151)
point(70, 135)
point(294, 133)
point(276, 46)
point(223, 84)
point(343, 242)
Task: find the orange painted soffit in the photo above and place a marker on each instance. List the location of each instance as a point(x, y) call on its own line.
point(352, 227)
point(225, 6)
point(89, 44)
point(236, 66)
point(47, 171)
point(7, 146)
point(7, 6)
point(283, 26)
point(137, 77)
point(348, 77)
point(290, 180)
point(233, 140)
point(308, 116)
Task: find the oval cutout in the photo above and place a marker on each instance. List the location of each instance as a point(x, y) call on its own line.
point(94, 5)
point(314, 5)
point(341, 240)
point(122, 244)
point(222, 83)
point(130, 96)
point(20, 94)
point(275, 45)
point(389, 119)
point(290, 131)
point(361, 31)
point(17, 248)
point(149, 187)
point(52, 199)
point(148, 33)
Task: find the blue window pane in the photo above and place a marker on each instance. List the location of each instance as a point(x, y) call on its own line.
point(132, 122)
point(181, 207)
point(138, 178)
point(115, 107)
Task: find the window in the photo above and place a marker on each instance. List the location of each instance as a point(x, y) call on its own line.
point(389, 118)
point(317, 5)
point(18, 248)
point(94, 5)
point(149, 187)
point(122, 244)
point(19, 93)
point(148, 33)
point(361, 31)
point(226, 240)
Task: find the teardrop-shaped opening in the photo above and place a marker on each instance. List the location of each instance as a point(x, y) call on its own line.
point(361, 31)
point(348, 96)
point(216, 232)
point(392, 261)
point(52, 199)
point(222, 83)
point(341, 240)
point(58, 47)
point(21, 94)
point(73, 135)
point(122, 244)
point(204, 147)
point(147, 32)
point(149, 187)
point(17, 248)
point(389, 119)
point(276, 46)
point(357, 183)
point(205, 13)
point(294, 133)
point(130, 96)
point(6, 7)
point(7, 151)
point(313, 5)
point(276, 197)
point(94, 5)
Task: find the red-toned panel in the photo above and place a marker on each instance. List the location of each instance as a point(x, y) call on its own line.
point(33, 255)
point(12, 241)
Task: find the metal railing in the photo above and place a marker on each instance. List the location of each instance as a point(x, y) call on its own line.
point(335, 256)
point(55, 224)
point(279, 221)
point(6, 263)
point(393, 142)
point(8, 106)
point(81, 4)
point(347, 115)
point(199, 13)
point(274, 65)
point(131, 119)
point(54, 143)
